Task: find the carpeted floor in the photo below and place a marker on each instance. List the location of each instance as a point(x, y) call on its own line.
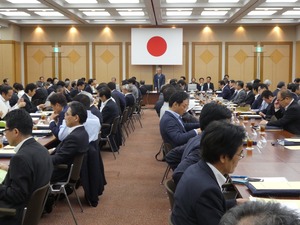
point(133, 195)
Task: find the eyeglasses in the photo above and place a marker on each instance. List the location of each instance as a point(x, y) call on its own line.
point(241, 155)
point(4, 131)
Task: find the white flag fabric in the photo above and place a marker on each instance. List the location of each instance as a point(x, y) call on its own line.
point(156, 46)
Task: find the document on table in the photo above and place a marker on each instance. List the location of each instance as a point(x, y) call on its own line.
point(295, 148)
point(2, 175)
point(292, 139)
point(288, 185)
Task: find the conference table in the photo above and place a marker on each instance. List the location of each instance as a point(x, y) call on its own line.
point(271, 160)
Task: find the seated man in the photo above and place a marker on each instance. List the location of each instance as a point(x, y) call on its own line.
point(198, 197)
point(30, 90)
point(260, 213)
point(59, 105)
point(75, 143)
point(240, 94)
point(29, 169)
point(268, 112)
point(172, 129)
point(289, 119)
point(190, 155)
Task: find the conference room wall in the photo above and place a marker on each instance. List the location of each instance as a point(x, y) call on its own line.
point(191, 34)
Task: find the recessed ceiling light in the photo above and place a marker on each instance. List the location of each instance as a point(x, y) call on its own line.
point(24, 2)
point(217, 9)
point(139, 13)
point(179, 9)
point(291, 13)
point(132, 21)
point(49, 13)
point(179, 13)
point(82, 1)
point(181, 1)
point(123, 1)
point(104, 21)
point(261, 13)
point(213, 13)
point(129, 10)
point(96, 13)
point(15, 13)
point(223, 1)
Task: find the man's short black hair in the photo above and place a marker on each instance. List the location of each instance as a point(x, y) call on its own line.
point(212, 112)
point(80, 82)
point(168, 92)
point(61, 83)
point(249, 86)
point(79, 109)
point(263, 86)
point(280, 84)
point(221, 82)
point(293, 87)
point(267, 94)
point(178, 97)
point(21, 120)
point(58, 98)
point(30, 87)
point(111, 85)
point(90, 81)
point(84, 99)
point(260, 213)
point(105, 91)
point(18, 86)
point(256, 81)
point(220, 138)
point(240, 83)
point(297, 80)
point(4, 89)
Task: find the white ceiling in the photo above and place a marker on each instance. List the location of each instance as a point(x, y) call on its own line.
point(149, 12)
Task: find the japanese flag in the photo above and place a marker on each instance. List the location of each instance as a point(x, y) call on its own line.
point(156, 46)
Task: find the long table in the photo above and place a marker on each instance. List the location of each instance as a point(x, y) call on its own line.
point(270, 161)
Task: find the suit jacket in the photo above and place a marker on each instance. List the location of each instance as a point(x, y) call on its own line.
point(40, 96)
point(159, 81)
point(226, 93)
point(173, 132)
point(289, 120)
point(143, 89)
point(211, 86)
point(130, 101)
point(120, 100)
point(257, 103)
point(29, 169)
point(240, 97)
point(54, 127)
point(200, 87)
point(30, 107)
point(97, 113)
point(88, 89)
point(77, 142)
point(198, 197)
point(109, 113)
point(249, 98)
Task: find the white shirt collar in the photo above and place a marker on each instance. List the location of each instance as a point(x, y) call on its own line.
point(289, 104)
point(17, 148)
point(28, 96)
point(73, 128)
point(219, 176)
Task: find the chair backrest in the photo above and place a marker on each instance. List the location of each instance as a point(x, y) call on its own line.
point(124, 116)
point(170, 187)
point(166, 148)
point(32, 213)
point(75, 171)
point(114, 126)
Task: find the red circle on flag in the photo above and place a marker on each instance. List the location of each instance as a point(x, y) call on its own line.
point(157, 46)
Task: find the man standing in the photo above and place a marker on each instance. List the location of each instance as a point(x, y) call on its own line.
point(29, 169)
point(159, 79)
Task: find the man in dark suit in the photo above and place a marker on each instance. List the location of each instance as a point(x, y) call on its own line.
point(75, 143)
point(268, 112)
point(226, 93)
point(118, 97)
point(108, 109)
point(172, 129)
point(30, 90)
point(59, 105)
point(159, 79)
point(143, 88)
point(240, 95)
point(198, 197)
point(79, 87)
point(249, 95)
point(288, 119)
point(29, 169)
point(89, 86)
point(208, 86)
point(280, 86)
point(129, 98)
